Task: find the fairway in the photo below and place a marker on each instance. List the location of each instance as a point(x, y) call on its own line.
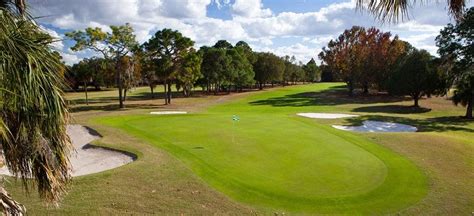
point(273, 159)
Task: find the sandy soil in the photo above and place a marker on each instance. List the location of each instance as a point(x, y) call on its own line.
point(378, 126)
point(325, 115)
point(88, 159)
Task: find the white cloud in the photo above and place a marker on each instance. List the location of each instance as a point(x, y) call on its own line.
point(250, 9)
point(250, 21)
point(221, 3)
point(184, 8)
point(57, 45)
point(70, 59)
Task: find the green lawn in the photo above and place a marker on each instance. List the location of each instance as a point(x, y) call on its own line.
point(274, 159)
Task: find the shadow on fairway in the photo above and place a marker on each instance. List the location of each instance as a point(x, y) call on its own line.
point(396, 109)
point(336, 95)
point(135, 97)
point(112, 107)
point(436, 124)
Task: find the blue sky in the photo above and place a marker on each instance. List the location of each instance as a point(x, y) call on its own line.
point(299, 27)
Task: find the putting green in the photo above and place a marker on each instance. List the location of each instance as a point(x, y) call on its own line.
point(274, 160)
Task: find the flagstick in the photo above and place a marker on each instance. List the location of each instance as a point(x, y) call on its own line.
point(233, 130)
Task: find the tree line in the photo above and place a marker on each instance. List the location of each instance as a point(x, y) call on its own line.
point(170, 59)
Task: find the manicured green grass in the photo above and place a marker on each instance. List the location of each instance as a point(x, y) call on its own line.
point(169, 178)
point(273, 159)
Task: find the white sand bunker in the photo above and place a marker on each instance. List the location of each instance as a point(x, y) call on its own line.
point(88, 159)
point(325, 115)
point(378, 126)
point(168, 112)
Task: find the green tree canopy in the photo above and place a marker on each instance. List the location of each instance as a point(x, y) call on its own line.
point(113, 46)
point(190, 71)
point(312, 71)
point(223, 44)
point(416, 76)
point(168, 49)
point(215, 64)
point(456, 46)
point(268, 68)
point(242, 70)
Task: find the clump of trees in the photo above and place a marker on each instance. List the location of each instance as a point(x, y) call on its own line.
point(416, 75)
point(113, 46)
point(371, 59)
point(312, 72)
point(362, 58)
point(456, 47)
point(172, 54)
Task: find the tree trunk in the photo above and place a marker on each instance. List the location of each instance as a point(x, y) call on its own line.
point(416, 98)
point(169, 93)
point(261, 85)
point(470, 103)
point(165, 93)
point(9, 206)
point(366, 88)
point(85, 90)
point(120, 85)
point(152, 93)
point(124, 95)
point(351, 88)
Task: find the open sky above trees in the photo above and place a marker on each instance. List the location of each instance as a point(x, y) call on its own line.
point(300, 28)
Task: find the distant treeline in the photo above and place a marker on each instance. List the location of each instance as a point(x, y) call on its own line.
point(368, 60)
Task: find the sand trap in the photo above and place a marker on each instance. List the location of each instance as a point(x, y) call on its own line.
point(168, 112)
point(325, 115)
point(88, 159)
point(378, 126)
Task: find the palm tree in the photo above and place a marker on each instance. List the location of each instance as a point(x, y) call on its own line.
point(393, 10)
point(33, 113)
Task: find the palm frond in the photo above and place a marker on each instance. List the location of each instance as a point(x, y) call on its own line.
point(18, 6)
point(32, 110)
point(396, 10)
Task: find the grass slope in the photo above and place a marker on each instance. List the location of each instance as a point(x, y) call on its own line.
point(276, 160)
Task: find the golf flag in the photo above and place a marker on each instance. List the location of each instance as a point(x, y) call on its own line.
point(235, 118)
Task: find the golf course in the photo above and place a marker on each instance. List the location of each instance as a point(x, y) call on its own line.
point(269, 160)
point(236, 107)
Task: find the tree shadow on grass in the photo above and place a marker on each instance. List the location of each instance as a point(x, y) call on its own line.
point(435, 124)
point(336, 95)
point(397, 109)
point(112, 107)
point(142, 96)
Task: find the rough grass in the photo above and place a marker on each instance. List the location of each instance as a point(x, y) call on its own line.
point(267, 168)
